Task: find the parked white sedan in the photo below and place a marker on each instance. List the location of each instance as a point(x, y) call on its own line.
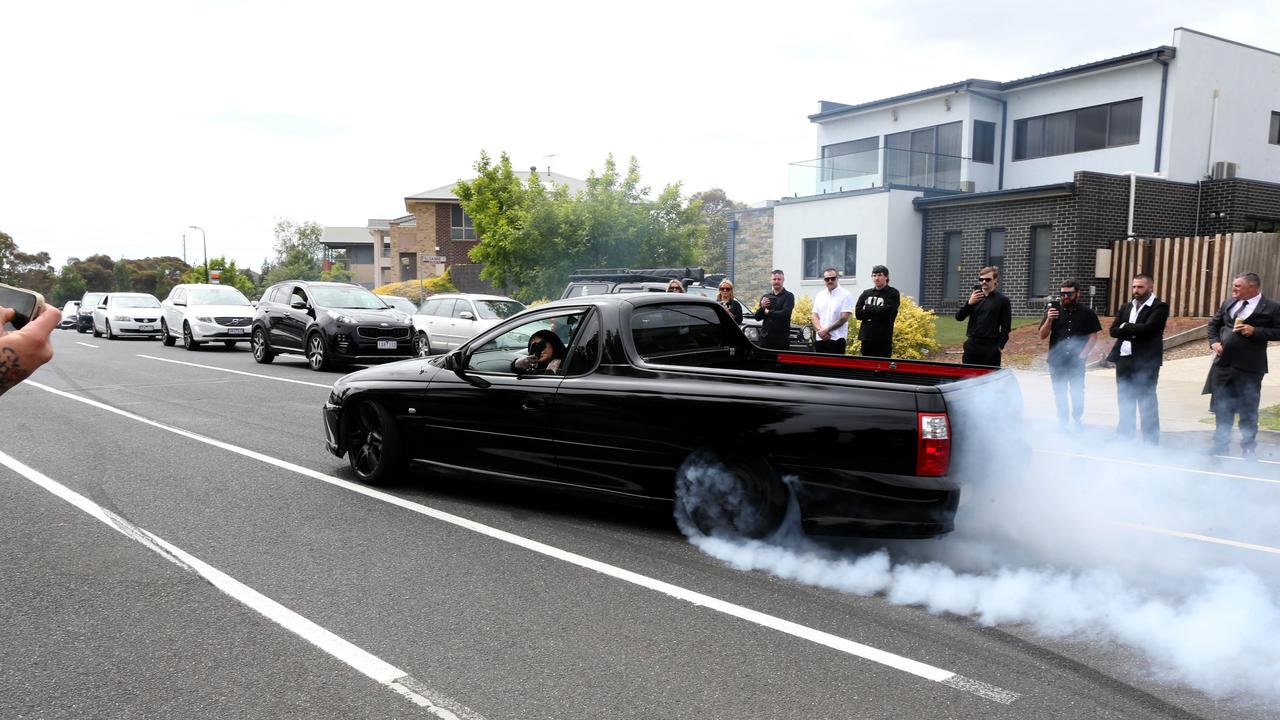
point(444, 322)
point(200, 313)
point(127, 314)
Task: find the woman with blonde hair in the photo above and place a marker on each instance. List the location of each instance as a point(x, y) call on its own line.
point(725, 298)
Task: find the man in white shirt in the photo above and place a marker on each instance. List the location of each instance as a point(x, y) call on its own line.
point(832, 308)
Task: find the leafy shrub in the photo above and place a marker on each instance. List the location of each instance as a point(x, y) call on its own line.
point(802, 313)
point(418, 290)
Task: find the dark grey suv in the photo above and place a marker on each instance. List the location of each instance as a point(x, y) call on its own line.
point(329, 323)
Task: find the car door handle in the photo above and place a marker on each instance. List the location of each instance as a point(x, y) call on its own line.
point(533, 404)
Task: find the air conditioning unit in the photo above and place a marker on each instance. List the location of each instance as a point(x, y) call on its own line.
point(966, 186)
point(1223, 170)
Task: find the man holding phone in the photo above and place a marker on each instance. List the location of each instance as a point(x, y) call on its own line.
point(1072, 330)
point(990, 318)
point(25, 349)
point(775, 313)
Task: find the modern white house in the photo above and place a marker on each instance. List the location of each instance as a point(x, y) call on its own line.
point(1032, 174)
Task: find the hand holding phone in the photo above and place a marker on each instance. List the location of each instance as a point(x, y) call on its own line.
point(25, 304)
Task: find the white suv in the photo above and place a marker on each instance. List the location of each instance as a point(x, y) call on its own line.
point(443, 322)
point(200, 313)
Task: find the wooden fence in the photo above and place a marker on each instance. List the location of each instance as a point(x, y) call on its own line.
point(1193, 274)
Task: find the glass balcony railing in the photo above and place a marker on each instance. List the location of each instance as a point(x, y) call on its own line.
point(875, 168)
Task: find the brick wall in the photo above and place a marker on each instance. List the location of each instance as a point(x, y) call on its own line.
point(753, 253)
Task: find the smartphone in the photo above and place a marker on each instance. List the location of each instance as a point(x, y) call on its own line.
point(977, 286)
point(26, 304)
point(1055, 305)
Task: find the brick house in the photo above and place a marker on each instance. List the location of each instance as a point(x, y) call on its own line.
point(1034, 175)
point(408, 247)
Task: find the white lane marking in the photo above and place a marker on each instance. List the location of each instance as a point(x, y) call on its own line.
point(95, 347)
point(866, 652)
point(1195, 536)
point(238, 372)
point(1158, 467)
point(361, 660)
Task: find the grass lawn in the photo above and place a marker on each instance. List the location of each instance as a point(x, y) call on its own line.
point(950, 331)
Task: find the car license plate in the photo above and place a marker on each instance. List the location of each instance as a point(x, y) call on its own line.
point(144, 327)
point(386, 344)
point(236, 331)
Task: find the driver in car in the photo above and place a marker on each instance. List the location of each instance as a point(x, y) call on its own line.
point(546, 351)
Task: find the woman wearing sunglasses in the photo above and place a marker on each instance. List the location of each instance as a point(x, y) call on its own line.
point(725, 298)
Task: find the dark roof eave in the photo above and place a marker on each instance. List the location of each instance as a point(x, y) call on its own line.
point(1031, 193)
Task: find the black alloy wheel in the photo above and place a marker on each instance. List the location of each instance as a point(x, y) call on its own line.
point(317, 356)
point(723, 495)
point(188, 342)
point(165, 337)
point(373, 450)
point(258, 343)
point(422, 345)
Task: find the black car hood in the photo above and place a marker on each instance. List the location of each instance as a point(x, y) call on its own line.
point(412, 370)
point(393, 318)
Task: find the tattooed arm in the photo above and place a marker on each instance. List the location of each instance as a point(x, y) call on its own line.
point(22, 351)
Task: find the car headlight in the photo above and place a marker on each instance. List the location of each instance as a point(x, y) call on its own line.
point(339, 317)
point(205, 319)
point(752, 333)
point(121, 318)
point(807, 333)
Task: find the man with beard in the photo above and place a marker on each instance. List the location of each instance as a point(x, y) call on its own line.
point(990, 318)
point(1238, 336)
point(774, 314)
point(877, 309)
point(1138, 354)
point(1072, 330)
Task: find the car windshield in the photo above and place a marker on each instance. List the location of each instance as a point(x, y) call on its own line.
point(217, 296)
point(92, 299)
point(353, 298)
point(498, 309)
point(402, 304)
point(135, 302)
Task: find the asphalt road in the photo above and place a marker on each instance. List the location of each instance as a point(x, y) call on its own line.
point(177, 544)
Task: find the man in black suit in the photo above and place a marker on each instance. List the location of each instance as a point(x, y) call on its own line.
point(1238, 336)
point(1138, 354)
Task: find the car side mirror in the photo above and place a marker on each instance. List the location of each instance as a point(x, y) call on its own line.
point(103, 306)
point(298, 304)
point(465, 315)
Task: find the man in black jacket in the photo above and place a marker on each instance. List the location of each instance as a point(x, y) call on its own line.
point(774, 314)
point(1238, 336)
point(990, 318)
point(1138, 354)
point(877, 310)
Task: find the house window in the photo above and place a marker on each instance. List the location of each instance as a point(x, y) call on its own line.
point(462, 228)
point(848, 159)
point(839, 252)
point(1273, 135)
point(952, 289)
point(1073, 131)
point(995, 248)
point(926, 157)
point(984, 141)
point(1255, 224)
point(386, 249)
point(1041, 243)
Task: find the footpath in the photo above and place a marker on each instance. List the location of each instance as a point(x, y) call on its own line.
point(1185, 420)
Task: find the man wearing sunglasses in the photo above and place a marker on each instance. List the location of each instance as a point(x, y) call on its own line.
point(832, 307)
point(990, 319)
point(1072, 330)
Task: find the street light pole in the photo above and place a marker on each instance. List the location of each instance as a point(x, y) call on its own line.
point(205, 243)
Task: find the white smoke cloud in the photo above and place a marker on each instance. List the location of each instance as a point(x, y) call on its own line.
point(1047, 541)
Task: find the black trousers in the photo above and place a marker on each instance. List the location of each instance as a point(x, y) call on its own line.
point(772, 343)
point(831, 347)
point(980, 351)
point(1136, 393)
point(1236, 392)
point(878, 347)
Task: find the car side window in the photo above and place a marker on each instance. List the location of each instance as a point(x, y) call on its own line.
point(462, 306)
point(446, 308)
point(180, 295)
point(298, 294)
point(429, 307)
point(586, 352)
point(499, 353)
point(662, 329)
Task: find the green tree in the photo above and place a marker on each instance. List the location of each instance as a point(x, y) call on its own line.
point(68, 286)
point(97, 271)
point(532, 237)
point(229, 275)
point(713, 207)
point(298, 252)
point(27, 270)
point(123, 276)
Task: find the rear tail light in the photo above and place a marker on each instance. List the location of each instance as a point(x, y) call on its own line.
point(933, 446)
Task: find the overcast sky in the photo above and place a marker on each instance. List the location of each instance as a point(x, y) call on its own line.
point(121, 123)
